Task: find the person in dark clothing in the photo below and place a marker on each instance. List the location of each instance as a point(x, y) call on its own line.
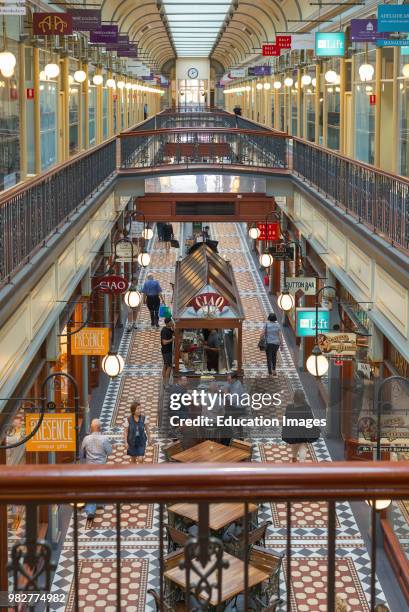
point(167, 235)
point(166, 341)
point(152, 292)
point(237, 110)
point(298, 436)
point(273, 339)
point(213, 350)
point(159, 227)
point(136, 433)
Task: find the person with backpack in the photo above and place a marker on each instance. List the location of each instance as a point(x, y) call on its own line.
point(272, 340)
point(136, 433)
point(298, 436)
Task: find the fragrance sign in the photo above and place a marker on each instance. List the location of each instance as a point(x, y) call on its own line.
point(56, 434)
point(90, 341)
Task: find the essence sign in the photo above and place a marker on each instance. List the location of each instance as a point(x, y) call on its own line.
point(330, 44)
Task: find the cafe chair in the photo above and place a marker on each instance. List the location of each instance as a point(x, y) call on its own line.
point(270, 562)
point(172, 449)
point(242, 445)
point(256, 536)
point(167, 604)
point(172, 595)
point(176, 538)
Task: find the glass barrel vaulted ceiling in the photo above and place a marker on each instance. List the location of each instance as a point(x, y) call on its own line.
point(194, 26)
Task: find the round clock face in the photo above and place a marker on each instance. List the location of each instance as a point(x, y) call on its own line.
point(192, 73)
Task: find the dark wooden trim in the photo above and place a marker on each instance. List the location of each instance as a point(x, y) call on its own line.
point(397, 557)
point(203, 482)
point(213, 130)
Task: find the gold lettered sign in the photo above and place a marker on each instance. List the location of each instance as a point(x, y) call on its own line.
point(90, 341)
point(338, 343)
point(56, 434)
point(51, 24)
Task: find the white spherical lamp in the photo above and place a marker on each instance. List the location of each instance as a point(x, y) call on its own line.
point(132, 298)
point(405, 71)
point(306, 79)
point(248, 88)
point(144, 259)
point(317, 364)
point(259, 86)
point(97, 79)
point(254, 233)
point(7, 61)
point(111, 83)
point(52, 71)
point(147, 233)
point(380, 504)
point(288, 82)
point(277, 84)
point(7, 72)
point(267, 85)
point(266, 260)
point(330, 76)
point(286, 301)
point(112, 364)
point(80, 76)
point(366, 72)
point(121, 84)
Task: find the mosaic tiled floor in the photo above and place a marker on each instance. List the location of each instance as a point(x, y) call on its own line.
point(141, 379)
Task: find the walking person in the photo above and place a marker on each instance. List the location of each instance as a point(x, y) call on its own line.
point(298, 436)
point(95, 449)
point(152, 297)
point(167, 235)
point(159, 227)
point(166, 341)
point(273, 341)
point(136, 433)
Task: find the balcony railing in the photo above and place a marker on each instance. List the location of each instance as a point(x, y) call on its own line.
point(199, 569)
point(31, 212)
point(191, 146)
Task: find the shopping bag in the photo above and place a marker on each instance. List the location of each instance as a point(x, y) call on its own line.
point(165, 311)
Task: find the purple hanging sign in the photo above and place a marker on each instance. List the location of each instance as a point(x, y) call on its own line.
point(85, 20)
point(259, 71)
point(365, 30)
point(106, 34)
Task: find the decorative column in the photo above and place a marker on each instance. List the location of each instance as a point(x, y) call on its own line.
point(395, 111)
point(22, 111)
point(84, 134)
point(37, 124)
point(65, 119)
point(317, 101)
point(378, 93)
point(299, 103)
point(324, 113)
point(342, 74)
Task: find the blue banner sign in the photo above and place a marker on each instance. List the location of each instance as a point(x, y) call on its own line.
point(329, 44)
point(305, 321)
point(393, 18)
point(392, 42)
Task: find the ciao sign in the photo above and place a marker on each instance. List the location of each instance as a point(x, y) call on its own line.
point(205, 301)
point(113, 284)
point(50, 24)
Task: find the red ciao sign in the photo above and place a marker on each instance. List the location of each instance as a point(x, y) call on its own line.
point(113, 284)
point(283, 42)
point(273, 231)
point(208, 299)
point(270, 50)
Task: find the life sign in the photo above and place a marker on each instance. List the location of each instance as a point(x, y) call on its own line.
point(306, 284)
point(329, 44)
point(113, 284)
point(204, 300)
point(57, 432)
point(90, 341)
point(306, 321)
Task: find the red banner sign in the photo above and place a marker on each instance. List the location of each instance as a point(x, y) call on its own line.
point(30, 93)
point(51, 24)
point(283, 42)
point(270, 50)
point(273, 231)
point(372, 99)
point(113, 284)
point(212, 300)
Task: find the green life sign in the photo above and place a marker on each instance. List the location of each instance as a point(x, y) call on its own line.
point(329, 44)
point(305, 321)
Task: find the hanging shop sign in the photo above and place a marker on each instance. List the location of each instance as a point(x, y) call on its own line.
point(273, 231)
point(330, 44)
point(237, 73)
point(124, 250)
point(393, 18)
point(302, 41)
point(56, 434)
point(52, 24)
point(121, 42)
point(113, 283)
point(106, 34)
point(270, 50)
point(85, 20)
point(259, 71)
point(211, 300)
point(365, 368)
point(306, 321)
point(283, 42)
point(129, 51)
point(281, 250)
point(13, 7)
point(142, 71)
point(338, 343)
point(306, 284)
point(364, 30)
point(392, 42)
point(90, 341)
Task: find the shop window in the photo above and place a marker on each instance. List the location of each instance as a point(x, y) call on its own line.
point(403, 112)
point(9, 126)
point(74, 94)
point(105, 94)
point(92, 95)
point(364, 112)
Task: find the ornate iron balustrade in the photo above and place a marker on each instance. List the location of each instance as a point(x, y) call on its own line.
point(200, 484)
point(376, 198)
point(30, 213)
point(189, 146)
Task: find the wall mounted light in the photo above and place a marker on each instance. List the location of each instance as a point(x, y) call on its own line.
point(80, 76)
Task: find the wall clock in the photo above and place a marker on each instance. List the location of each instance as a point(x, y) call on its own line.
point(193, 73)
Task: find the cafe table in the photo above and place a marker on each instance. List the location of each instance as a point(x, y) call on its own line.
point(232, 578)
point(214, 452)
point(220, 515)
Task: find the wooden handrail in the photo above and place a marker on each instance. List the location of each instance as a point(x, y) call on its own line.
point(212, 130)
point(204, 482)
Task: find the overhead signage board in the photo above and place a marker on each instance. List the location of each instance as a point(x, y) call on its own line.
point(13, 7)
point(85, 20)
point(56, 434)
point(124, 250)
point(283, 42)
point(208, 300)
point(365, 30)
point(106, 34)
point(142, 71)
point(393, 18)
point(306, 321)
point(237, 73)
point(52, 24)
point(90, 341)
point(113, 283)
point(338, 344)
point(273, 231)
point(302, 41)
point(330, 44)
point(392, 42)
point(306, 284)
point(259, 70)
point(270, 50)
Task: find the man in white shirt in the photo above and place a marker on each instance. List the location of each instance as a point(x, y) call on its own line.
point(95, 449)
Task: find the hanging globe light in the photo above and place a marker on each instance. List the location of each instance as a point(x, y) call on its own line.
point(366, 72)
point(313, 82)
point(277, 84)
point(330, 76)
point(288, 82)
point(121, 84)
point(266, 260)
point(259, 86)
point(317, 364)
point(254, 232)
point(285, 300)
point(147, 233)
point(97, 79)
point(113, 364)
point(80, 76)
point(7, 72)
point(380, 504)
point(7, 61)
point(248, 88)
point(132, 297)
point(267, 85)
point(52, 71)
point(144, 259)
point(405, 71)
point(111, 83)
point(306, 79)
